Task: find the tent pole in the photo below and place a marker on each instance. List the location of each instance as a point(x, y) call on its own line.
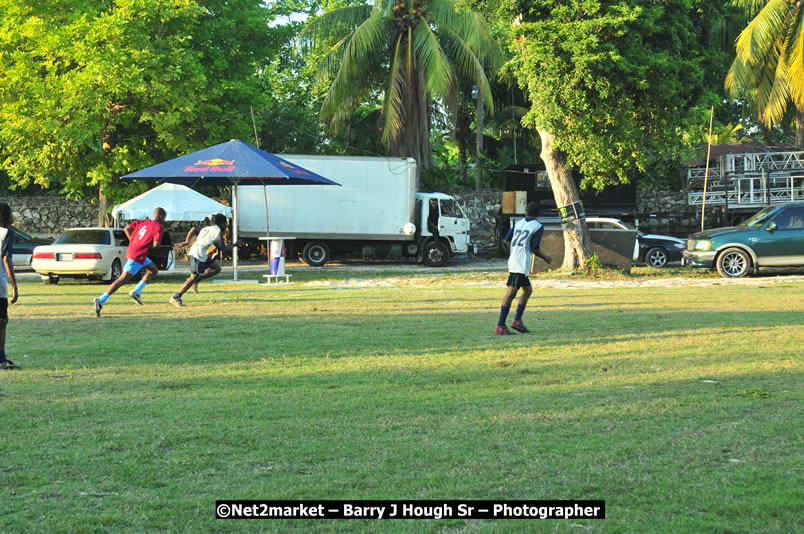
point(265, 198)
point(234, 230)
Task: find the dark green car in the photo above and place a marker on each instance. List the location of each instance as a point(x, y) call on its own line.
point(773, 238)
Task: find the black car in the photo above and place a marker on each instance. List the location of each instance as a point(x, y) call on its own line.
point(651, 249)
point(24, 244)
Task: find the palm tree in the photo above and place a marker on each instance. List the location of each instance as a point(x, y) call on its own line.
point(769, 66)
point(416, 49)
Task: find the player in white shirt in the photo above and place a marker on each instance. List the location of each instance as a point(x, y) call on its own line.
point(523, 239)
point(201, 265)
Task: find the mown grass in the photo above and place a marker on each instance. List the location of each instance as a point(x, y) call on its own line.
point(681, 407)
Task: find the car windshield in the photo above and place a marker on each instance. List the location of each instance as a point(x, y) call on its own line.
point(760, 218)
point(84, 237)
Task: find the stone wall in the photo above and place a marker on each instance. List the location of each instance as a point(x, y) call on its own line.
point(668, 213)
point(482, 209)
point(658, 212)
point(48, 215)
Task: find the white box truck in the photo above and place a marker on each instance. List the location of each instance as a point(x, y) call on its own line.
point(375, 213)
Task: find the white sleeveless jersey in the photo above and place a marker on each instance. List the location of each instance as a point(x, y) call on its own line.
point(520, 257)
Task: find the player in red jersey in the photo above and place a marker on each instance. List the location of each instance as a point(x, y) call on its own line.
point(142, 235)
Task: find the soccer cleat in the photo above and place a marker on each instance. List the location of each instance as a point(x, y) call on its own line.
point(519, 327)
point(133, 294)
point(98, 306)
point(8, 365)
point(176, 302)
point(503, 331)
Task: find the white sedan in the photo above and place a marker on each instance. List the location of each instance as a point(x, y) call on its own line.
point(92, 253)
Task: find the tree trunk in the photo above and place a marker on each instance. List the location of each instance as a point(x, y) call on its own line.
point(103, 205)
point(413, 138)
point(109, 141)
point(577, 242)
point(462, 149)
point(800, 129)
point(479, 151)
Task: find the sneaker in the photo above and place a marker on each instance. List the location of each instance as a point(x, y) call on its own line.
point(133, 294)
point(176, 302)
point(98, 306)
point(519, 327)
point(8, 365)
point(502, 331)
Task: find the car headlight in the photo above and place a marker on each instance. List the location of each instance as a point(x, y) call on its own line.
point(703, 244)
point(680, 245)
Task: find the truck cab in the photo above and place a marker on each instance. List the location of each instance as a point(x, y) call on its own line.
point(444, 229)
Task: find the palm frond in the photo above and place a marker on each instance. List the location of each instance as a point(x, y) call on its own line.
point(468, 66)
point(758, 39)
point(795, 60)
point(394, 102)
point(332, 26)
point(750, 7)
point(357, 56)
point(432, 62)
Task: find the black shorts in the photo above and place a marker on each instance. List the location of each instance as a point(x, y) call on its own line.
point(199, 267)
point(4, 309)
point(518, 280)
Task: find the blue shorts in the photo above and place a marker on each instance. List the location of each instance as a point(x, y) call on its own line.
point(199, 267)
point(518, 280)
point(134, 267)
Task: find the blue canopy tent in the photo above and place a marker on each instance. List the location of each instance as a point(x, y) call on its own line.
point(233, 163)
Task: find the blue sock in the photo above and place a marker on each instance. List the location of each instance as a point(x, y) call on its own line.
point(519, 311)
point(503, 315)
point(2, 356)
point(103, 298)
point(139, 287)
point(176, 295)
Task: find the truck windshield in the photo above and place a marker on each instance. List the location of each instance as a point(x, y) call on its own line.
point(450, 208)
point(760, 218)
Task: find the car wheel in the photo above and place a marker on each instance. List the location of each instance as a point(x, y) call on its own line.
point(435, 254)
point(656, 257)
point(315, 254)
point(50, 280)
point(733, 263)
point(115, 271)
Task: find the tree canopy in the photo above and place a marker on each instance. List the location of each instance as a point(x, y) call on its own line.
point(769, 67)
point(613, 80)
point(90, 90)
point(416, 50)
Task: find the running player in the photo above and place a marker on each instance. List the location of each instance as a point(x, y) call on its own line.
point(523, 239)
point(201, 265)
point(142, 236)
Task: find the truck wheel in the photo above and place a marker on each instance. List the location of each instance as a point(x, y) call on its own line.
point(733, 263)
point(436, 254)
point(50, 280)
point(315, 254)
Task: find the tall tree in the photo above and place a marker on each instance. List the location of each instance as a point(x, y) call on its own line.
point(769, 66)
point(90, 90)
point(611, 82)
point(419, 48)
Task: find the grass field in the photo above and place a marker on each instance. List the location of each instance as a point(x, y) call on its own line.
point(681, 407)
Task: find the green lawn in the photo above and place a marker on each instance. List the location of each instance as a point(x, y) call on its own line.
point(680, 407)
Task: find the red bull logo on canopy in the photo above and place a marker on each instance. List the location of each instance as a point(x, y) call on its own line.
point(296, 170)
point(211, 165)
